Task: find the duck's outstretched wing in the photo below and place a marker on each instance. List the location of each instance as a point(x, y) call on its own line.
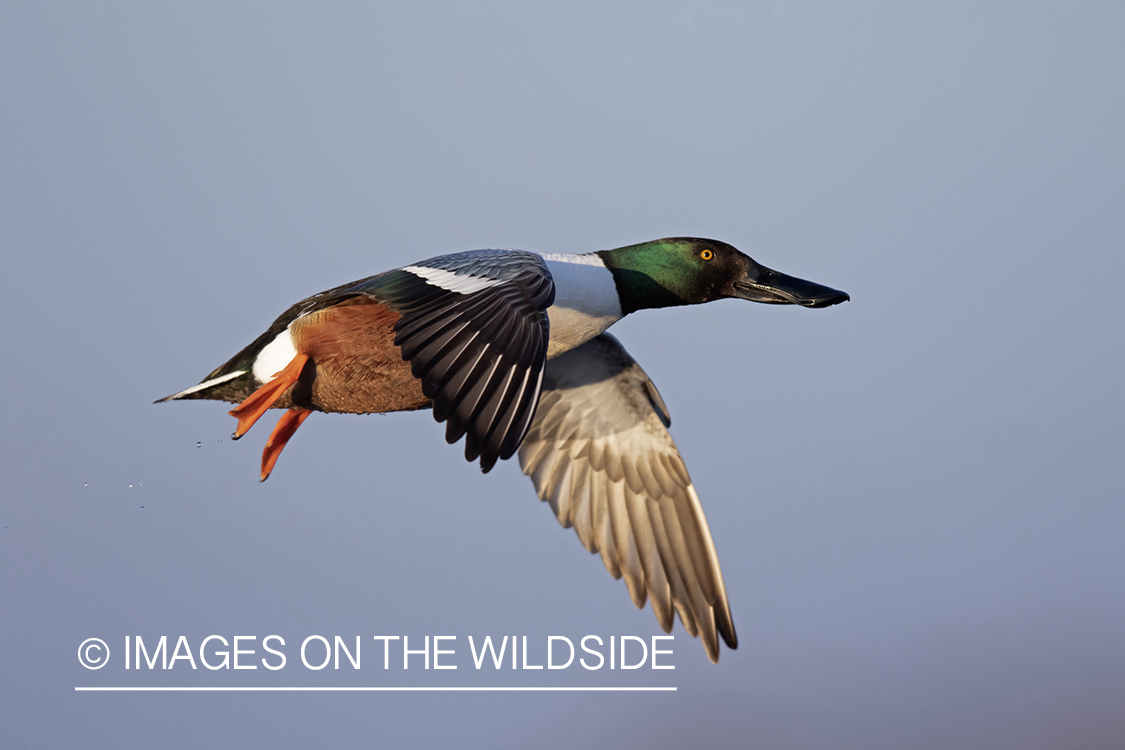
point(599, 452)
point(474, 328)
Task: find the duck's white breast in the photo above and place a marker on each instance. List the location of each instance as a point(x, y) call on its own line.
point(586, 301)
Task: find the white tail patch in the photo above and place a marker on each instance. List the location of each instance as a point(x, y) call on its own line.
point(207, 384)
point(452, 282)
point(274, 356)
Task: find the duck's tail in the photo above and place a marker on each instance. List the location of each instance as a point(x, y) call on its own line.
point(234, 380)
point(233, 385)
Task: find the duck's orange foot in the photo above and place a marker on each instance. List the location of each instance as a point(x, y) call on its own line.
point(251, 410)
point(286, 426)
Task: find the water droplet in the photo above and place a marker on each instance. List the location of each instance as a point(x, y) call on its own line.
point(85, 484)
point(130, 486)
point(199, 444)
point(142, 507)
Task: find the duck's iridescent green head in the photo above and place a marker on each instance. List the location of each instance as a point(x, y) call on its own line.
point(690, 271)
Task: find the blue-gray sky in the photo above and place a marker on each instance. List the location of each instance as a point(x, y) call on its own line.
point(917, 497)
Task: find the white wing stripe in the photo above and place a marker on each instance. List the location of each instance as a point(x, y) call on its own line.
point(452, 282)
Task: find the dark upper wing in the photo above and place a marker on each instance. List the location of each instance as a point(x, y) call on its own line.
point(599, 452)
point(474, 329)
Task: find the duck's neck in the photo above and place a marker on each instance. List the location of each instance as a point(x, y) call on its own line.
point(650, 274)
point(586, 300)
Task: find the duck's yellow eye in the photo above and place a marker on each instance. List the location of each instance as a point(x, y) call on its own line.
point(707, 255)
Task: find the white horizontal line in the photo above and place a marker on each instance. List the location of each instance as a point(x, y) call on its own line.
point(452, 282)
point(381, 689)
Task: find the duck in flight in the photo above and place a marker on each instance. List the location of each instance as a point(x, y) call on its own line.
point(509, 350)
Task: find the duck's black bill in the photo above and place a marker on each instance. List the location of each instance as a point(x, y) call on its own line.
point(761, 284)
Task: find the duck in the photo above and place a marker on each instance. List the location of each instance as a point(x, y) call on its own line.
point(509, 350)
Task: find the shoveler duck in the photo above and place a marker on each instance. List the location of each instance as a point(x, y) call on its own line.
point(509, 350)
